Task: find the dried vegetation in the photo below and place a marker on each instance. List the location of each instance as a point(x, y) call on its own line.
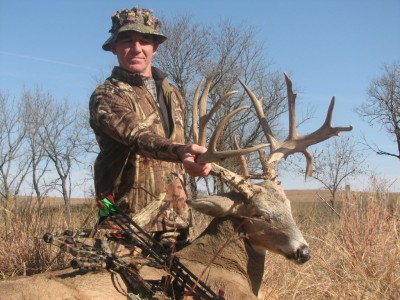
point(356, 248)
point(355, 255)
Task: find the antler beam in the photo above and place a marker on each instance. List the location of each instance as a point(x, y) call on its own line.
point(294, 142)
point(199, 129)
point(212, 155)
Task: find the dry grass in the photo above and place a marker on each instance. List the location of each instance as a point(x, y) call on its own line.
point(22, 249)
point(296, 196)
point(355, 256)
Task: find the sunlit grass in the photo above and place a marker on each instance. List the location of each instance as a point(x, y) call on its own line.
point(355, 247)
point(22, 249)
point(355, 255)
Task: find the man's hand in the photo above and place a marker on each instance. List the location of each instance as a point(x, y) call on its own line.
point(188, 157)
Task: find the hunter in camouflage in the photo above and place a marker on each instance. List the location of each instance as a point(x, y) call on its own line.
point(138, 119)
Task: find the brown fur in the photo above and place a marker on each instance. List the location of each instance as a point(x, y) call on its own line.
point(231, 264)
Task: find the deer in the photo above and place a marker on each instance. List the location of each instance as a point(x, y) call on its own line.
point(248, 221)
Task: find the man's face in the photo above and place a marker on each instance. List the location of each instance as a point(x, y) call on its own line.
point(135, 52)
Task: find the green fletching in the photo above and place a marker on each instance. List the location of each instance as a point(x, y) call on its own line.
point(107, 208)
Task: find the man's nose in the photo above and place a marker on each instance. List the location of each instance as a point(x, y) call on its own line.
point(136, 46)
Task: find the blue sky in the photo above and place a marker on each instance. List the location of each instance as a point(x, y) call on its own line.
point(330, 48)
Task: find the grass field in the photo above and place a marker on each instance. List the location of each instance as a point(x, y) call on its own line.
point(355, 248)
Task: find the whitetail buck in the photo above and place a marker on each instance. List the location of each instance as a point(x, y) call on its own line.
point(250, 220)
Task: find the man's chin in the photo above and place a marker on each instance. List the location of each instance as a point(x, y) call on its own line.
point(136, 69)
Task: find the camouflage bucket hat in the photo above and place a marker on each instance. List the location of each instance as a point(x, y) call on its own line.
point(135, 19)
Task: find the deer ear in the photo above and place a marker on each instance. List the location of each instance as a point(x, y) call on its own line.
point(217, 206)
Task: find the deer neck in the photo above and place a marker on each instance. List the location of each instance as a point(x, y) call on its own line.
point(225, 245)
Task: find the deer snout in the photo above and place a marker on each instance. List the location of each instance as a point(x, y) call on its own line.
point(303, 254)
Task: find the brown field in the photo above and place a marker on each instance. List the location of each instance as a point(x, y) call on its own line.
point(293, 195)
point(355, 245)
point(324, 195)
point(306, 195)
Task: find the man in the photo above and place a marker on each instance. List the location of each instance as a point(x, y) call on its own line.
point(138, 120)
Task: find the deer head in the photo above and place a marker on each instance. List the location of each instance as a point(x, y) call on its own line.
point(264, 207)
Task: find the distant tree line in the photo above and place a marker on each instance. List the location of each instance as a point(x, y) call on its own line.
point(41, 141)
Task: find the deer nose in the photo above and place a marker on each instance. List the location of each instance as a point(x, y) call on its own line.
point(303, 254)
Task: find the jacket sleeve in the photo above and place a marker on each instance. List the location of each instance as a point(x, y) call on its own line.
point(113, 119)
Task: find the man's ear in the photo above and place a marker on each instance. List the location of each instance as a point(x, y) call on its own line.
point(155, 46)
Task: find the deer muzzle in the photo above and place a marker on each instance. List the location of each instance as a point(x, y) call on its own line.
point(302, 254)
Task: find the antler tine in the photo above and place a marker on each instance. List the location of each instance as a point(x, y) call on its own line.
point(264, 161)
point(199, 113)
point(325, 132)
point(309, 163)
point(199, 110)
point(261, 116)
point(203, 118)
point(292, 107)
point(213, 155)
point(195, 113)
point(243, 161)
point(301, 143)
point(295, 143)
point(328, 119)
point(207, 117)
point(238, 182)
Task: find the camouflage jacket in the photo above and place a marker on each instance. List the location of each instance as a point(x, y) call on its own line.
point(138, 137)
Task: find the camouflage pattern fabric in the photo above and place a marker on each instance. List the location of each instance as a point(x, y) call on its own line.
point(136, 19)
point(138, 139)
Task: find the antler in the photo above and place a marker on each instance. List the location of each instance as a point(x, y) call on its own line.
point(212, 155)
point(294, 142)
point(200, 112)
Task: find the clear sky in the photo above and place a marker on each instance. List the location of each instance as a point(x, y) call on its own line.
point(330, 48)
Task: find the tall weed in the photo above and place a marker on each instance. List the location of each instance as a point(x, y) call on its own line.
point(22, 249)
point(356, 254)
point(355, 250)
